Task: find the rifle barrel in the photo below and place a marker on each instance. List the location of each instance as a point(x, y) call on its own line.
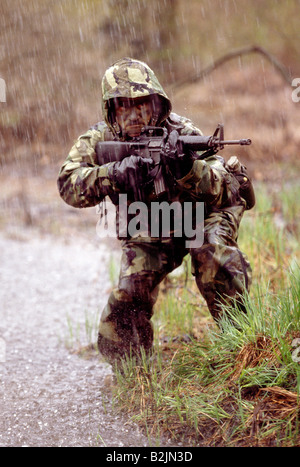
point(241, 142)
point(203, 143)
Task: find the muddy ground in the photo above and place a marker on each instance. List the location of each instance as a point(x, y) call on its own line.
point(50, 396)
point(55, 279)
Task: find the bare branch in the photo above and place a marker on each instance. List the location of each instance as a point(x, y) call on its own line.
point(279, 67)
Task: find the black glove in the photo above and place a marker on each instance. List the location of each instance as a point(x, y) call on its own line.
point(174, 159)
point(246, 189)
point(131, 174)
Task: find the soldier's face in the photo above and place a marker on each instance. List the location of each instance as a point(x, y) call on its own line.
point(132, 115)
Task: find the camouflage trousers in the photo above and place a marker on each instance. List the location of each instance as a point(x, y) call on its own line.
point(222, 272)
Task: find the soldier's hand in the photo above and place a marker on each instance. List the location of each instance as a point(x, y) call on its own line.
point(131, 173)
point(175, 160)
point(246, 189)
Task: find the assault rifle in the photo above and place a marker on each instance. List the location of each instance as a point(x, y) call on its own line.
point(151, 143)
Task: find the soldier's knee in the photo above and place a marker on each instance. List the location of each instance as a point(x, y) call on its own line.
point(139, 289)
point(222, 263)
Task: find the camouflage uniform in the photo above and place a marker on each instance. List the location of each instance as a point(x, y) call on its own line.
point(221, 270)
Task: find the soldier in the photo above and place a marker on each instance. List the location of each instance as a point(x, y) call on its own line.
point(132, 98)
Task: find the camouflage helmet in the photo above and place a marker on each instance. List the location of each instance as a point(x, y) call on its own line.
point(128, 78)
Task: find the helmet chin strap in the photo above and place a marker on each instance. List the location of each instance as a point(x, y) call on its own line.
point(117, 129)
point(154, 119)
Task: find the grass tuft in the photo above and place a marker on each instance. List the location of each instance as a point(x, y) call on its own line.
point(237, 385)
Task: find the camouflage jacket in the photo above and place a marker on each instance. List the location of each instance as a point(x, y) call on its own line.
point(83, 183)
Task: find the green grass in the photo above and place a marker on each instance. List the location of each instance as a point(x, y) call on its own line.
point(235, 387)
point(240, 386)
